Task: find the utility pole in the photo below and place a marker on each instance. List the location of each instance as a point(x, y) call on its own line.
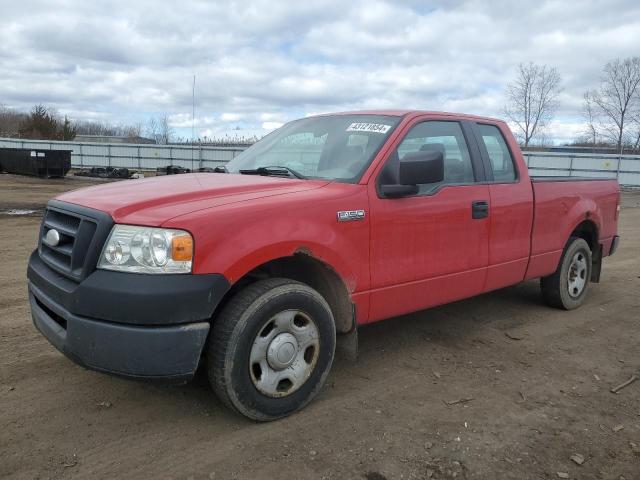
point(193, 119)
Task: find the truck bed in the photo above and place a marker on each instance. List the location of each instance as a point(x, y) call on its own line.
point(559, 210)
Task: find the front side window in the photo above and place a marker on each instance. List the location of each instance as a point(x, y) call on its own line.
point(446, 137)
point(499, 155)
point(332, 147)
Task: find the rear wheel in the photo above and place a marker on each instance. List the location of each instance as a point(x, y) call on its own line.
point(567, 287)
point(271, 348)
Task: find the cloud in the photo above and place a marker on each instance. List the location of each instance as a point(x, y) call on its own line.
point(260, 63)
point(231, 117)
point(271, 125)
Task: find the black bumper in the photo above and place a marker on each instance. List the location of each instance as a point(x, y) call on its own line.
point(131, 325)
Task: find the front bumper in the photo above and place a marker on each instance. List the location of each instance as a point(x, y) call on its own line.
point(133, 325)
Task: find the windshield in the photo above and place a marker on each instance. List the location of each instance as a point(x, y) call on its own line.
point(333, 147)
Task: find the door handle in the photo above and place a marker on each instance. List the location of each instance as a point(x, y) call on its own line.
point(479, 209)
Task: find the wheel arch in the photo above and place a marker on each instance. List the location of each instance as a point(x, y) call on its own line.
point(302, 266)
point(588, 231)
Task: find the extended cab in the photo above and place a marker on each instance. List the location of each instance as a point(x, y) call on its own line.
point(329, 223)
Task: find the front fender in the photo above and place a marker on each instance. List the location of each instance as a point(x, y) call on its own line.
point(237, 238)
point(318, 251)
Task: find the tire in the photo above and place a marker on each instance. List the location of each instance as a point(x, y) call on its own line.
point(271, 349)
point(567, 287)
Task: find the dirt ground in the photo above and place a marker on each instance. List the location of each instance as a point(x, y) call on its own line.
point(495, 387)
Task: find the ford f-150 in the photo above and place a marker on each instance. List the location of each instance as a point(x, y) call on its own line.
point(327, 224)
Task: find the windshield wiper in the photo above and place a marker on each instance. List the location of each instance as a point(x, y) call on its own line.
point(275, 171)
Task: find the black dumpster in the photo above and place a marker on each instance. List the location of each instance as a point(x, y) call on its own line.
point(39, 163)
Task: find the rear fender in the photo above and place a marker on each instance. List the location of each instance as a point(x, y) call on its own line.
point(584, 210)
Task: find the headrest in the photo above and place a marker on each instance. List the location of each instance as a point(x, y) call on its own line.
point(437, 147)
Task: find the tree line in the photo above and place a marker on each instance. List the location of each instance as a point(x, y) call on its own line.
point(41, 123)
point(611, 110)
point(44, 123)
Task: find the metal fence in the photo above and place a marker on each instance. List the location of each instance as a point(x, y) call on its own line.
point(132, 156)
point(625, 168)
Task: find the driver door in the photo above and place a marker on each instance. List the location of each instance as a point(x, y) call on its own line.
point(431, 248)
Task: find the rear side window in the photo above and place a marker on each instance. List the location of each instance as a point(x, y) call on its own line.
point(499, 155)
point(448, 138)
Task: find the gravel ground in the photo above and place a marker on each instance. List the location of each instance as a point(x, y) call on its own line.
point(495, 387)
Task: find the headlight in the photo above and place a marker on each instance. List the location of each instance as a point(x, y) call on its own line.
point(147, 250)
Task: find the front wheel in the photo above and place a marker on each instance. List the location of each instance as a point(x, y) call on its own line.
point(271, 348)
point(567, 287)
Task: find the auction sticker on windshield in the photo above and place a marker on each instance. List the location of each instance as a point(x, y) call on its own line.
point(368, 127)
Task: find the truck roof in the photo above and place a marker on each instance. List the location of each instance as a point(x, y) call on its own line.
point(403, 112)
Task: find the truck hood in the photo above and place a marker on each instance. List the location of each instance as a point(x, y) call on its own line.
point(153, 201)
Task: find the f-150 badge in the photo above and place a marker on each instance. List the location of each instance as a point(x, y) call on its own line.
point(350, 215)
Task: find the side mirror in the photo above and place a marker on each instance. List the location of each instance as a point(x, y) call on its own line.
point(416, 168)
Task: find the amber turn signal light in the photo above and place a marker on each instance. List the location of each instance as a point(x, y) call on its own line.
point(182, 248)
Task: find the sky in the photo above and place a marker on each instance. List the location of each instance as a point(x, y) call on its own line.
point(261, 63)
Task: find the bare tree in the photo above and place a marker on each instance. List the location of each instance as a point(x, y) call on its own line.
point(618, 98)
point(166, 130)
point(10, 121)
point(531, 99)
point(134, 130)
point(635, 132)
point(152, 129)
point(159, 129)
point(92, 127)
point(590, 115)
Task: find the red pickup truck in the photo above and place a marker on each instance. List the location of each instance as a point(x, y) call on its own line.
point(329, 223)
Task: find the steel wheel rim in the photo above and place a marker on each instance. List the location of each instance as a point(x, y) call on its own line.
point(577, 274)
point(284, 353)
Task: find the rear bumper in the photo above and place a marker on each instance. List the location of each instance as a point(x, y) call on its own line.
point(130, 325)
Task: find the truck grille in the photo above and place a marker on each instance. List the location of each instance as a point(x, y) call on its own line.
point(79, 239)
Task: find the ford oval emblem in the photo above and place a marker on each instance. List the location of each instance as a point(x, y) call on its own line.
point(52, 238)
